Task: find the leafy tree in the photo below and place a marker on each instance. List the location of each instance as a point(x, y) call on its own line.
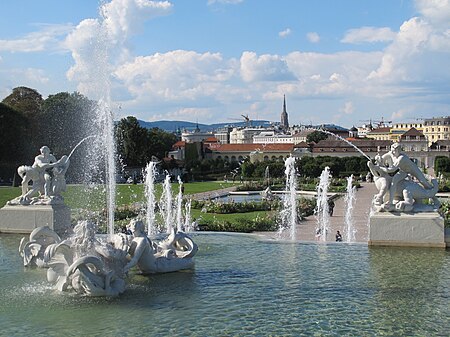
point(442, 165)
point(66, 119)
point(136, 145)
point(316, 136)
point(28, 102)
point(160, 142)
point(132, 141)
point(13, 126)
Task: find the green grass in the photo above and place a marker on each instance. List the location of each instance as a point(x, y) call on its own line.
point(8, 193)
point(77, 197)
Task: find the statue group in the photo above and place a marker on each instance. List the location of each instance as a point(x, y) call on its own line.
point(47, 178)
point(90, 266)
point(402, 186)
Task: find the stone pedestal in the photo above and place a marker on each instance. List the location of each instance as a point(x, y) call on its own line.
point(23, 219)
point(402, 229)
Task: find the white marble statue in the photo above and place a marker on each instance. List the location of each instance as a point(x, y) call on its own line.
point(401, 185)
point(86, 265)
point(48, 179)
point(89, 265)
point(173, 254)
point(37, 251)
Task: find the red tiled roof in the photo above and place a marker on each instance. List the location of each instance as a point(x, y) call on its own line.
point(385, 129)
point(253, 147)
point(211, 140)
point(180, 143)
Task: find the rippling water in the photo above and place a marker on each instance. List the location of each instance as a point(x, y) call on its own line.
point(243, 286)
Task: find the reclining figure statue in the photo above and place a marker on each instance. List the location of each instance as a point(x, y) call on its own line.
point(174, 253)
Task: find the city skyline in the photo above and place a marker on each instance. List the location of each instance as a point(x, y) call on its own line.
point(216, 60)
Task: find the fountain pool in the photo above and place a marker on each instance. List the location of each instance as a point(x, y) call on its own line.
point(243, 285)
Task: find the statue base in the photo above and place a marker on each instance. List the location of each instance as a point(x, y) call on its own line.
point(23, 219)
point(425, 229)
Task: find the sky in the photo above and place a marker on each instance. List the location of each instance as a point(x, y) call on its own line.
point(344, 62)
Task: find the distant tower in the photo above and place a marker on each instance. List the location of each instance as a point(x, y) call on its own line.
point(284, 116)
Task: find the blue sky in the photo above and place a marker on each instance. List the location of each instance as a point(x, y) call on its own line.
point(210, 61)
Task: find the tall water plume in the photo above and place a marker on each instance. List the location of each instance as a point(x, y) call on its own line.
point(289, 212)
point(188, 225)
point(179, 212)
point(350, 199)
point(149, 182)
point(322, 207)
point(92, 46)
point(166, 204)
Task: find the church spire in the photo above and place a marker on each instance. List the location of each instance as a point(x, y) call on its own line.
point(284, 116)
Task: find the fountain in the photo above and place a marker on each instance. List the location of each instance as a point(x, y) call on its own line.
point(322, 207)
point(239, 280)
point(149, 182)
point(289, 213)
point(93, 265)
point(349, 201)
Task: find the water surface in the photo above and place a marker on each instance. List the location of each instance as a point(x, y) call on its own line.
point(244, 286)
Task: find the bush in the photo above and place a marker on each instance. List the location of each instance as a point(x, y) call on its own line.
point(241, 225)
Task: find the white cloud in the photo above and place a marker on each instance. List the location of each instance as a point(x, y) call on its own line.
point(313, 37)
point(418, 54)
point(369, 34)
point(176, 75)
point(283, 34)
point(399, 114)
point(47, 38)
point(435, 11)
point(189, 114)
point(347, 108)
point(264, 68)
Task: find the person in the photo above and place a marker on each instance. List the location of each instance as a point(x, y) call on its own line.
point(338, 236)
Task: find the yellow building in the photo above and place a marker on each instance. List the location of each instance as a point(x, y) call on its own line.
point(398, 129)
point(380, 134)
point(437, 129)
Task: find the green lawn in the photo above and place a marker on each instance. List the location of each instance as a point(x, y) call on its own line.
point(76, 196)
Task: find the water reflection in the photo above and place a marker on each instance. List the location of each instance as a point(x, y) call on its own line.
point(244, 286)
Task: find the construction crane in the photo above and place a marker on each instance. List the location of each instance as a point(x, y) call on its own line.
point(378, 123)
point(248, 121)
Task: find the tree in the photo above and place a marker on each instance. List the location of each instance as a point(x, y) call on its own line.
point(132, 142)
point(442, 165)
point(136, 145)
point(13, 126)
point(28, 102)
point(316, 136)
point(160, 142)
point(66, 119)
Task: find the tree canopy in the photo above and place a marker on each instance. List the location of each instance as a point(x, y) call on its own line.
point(136, 145)
point(316, 136)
